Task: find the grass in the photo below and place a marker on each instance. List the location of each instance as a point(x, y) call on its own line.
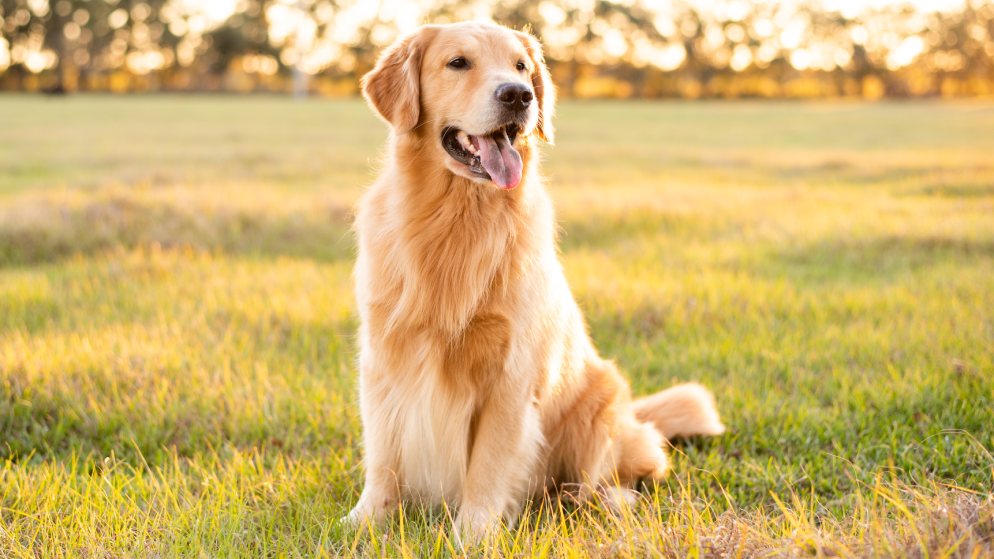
point(176, 326)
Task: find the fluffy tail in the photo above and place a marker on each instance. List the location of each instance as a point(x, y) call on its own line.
point(681, 411)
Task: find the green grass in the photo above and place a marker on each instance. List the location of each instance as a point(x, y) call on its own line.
point(177, 325)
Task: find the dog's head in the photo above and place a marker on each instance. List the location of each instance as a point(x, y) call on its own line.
point(479, 91)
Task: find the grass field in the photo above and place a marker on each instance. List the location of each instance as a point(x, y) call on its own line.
point(176, 325)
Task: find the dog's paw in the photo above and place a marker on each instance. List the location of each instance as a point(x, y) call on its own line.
point(616, 499)
point(354, 519)
point(474, 525)
point(363, 514)
point(345, 523)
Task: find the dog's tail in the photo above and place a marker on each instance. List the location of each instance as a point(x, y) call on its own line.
point(681, 411)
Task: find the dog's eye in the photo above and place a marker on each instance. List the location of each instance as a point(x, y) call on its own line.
point(521, 66)
point(458, 63)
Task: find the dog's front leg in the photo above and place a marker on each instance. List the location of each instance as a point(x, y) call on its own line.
point(504, 452)
point(380, 493)
point(379, 497)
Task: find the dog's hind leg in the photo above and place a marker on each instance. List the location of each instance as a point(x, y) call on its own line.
point(639, 452)
point(681, 411)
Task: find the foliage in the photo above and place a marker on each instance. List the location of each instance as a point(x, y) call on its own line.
point(681, 48)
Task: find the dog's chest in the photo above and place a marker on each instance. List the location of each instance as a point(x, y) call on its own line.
point(434, 398)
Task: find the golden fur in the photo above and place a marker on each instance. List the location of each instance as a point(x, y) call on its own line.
point(479, 385)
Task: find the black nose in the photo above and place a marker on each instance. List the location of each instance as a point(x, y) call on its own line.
point(514, 96)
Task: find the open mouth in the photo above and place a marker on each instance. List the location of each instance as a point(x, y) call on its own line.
point(490, 156)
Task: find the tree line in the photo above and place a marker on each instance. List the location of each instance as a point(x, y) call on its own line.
point(595, 48)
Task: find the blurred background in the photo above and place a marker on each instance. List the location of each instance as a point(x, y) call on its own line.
point(596, 48)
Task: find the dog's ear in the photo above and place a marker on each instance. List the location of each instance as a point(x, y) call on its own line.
point(545, 92)
point(393, 87)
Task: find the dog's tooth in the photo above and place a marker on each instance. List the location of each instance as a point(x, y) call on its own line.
point(466, 142)
point(463, 138)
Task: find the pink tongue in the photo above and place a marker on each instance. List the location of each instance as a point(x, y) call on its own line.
point(500, 159)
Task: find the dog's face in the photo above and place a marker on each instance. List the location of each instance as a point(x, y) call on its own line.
point(477, 91)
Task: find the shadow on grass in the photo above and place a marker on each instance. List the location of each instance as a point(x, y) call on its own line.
point(45, 231)
point(949, 189)
point(50, 231)
point(877, 259)
point(603, 231)
point(960, 181)
point(143, 408)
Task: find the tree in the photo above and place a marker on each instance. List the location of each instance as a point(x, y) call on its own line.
point(243, 33)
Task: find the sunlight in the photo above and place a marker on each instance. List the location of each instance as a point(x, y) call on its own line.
point(906, 52)
point(618, 50)
point(4, 53)
point(214, 11)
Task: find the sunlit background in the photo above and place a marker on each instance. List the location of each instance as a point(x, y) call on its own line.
point(597, 48)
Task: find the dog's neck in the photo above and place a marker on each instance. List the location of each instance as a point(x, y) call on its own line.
point(465, 241)
point(434, 197)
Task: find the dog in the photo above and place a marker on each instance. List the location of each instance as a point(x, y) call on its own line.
point(479, 384)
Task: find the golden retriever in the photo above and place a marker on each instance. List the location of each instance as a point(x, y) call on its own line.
point(479, 385)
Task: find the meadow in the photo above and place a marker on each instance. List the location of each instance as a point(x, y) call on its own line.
point(177, 327)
